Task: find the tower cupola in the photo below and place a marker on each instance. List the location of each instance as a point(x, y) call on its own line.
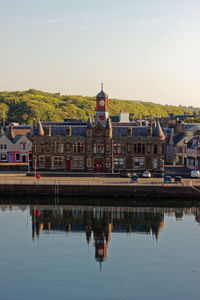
point(101, 107)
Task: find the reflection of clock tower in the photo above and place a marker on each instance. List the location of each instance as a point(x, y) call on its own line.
point(101, 107)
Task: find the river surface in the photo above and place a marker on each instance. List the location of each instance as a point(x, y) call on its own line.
point(85, 252)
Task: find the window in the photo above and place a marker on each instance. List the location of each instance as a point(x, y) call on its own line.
point(155, 163)
point(138, 162)
point(118, 162)
point(61, 148)
point(98, 148)
point(17, 157)
point(139, 148)
point(58, 162)
point(23, 146)
point(179, 149)
point(78, 147)
point(119, 148)
point(41, 147)
point(143, 148)
point(1, 147)
point(41, 162)
point(5, 146)
point(78, 163)
point(3, 157)
point(30, 157)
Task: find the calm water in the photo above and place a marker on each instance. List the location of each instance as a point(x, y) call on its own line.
point(77, 252)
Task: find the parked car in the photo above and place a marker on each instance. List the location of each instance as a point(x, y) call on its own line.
point(146, 174)
point(195, 174)
point(167, 179)
point(177, 179)
point(134, 178)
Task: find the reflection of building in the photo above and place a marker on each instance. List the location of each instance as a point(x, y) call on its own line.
point(98, 223)
point(99, 144)
point(100, 248)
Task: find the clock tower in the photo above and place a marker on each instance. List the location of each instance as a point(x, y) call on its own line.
point(101, 107)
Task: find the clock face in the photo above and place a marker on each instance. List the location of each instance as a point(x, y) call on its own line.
point(101, 102)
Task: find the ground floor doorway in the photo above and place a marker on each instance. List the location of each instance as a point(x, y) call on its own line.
point(67, 165)
point(98, 165)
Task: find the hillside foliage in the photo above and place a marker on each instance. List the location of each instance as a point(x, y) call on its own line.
point(24, 106)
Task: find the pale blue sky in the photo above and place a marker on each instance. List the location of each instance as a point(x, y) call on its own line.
point(142, 49)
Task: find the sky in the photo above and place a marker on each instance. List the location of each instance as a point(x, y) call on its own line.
point(142, 49)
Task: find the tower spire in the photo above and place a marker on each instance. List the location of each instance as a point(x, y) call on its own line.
point(102, 85)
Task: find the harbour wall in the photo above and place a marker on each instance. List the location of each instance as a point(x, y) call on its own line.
point(131, 191)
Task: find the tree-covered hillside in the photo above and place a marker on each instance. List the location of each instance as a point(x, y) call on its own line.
point(24, 106)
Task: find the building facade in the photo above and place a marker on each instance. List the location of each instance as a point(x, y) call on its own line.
point(15, 145)
point(98, 145)
point(193, 153)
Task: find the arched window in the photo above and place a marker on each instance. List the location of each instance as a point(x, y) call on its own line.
point(78, 147)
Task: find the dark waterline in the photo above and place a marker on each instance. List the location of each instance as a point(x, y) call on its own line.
point(94, 252)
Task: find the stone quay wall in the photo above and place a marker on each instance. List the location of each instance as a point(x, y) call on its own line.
point(131, 191)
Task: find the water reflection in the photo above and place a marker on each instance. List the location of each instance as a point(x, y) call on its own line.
point(146, 253)
point(99, 223)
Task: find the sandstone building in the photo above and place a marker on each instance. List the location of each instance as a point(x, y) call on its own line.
point(98, 145)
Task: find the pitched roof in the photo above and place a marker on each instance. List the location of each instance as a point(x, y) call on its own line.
point(16, 138)
point(158, 130)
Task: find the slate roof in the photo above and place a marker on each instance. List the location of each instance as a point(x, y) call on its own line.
point(136, 131)
point(181, 137)
point(191, 126)
point(61, 130)
point(115, 118)
point(16, 138)
point(22, 127)
point(80, 130)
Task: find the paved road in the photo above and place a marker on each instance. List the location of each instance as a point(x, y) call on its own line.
point(22, 179)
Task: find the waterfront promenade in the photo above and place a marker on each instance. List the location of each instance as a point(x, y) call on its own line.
point(98, 187)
